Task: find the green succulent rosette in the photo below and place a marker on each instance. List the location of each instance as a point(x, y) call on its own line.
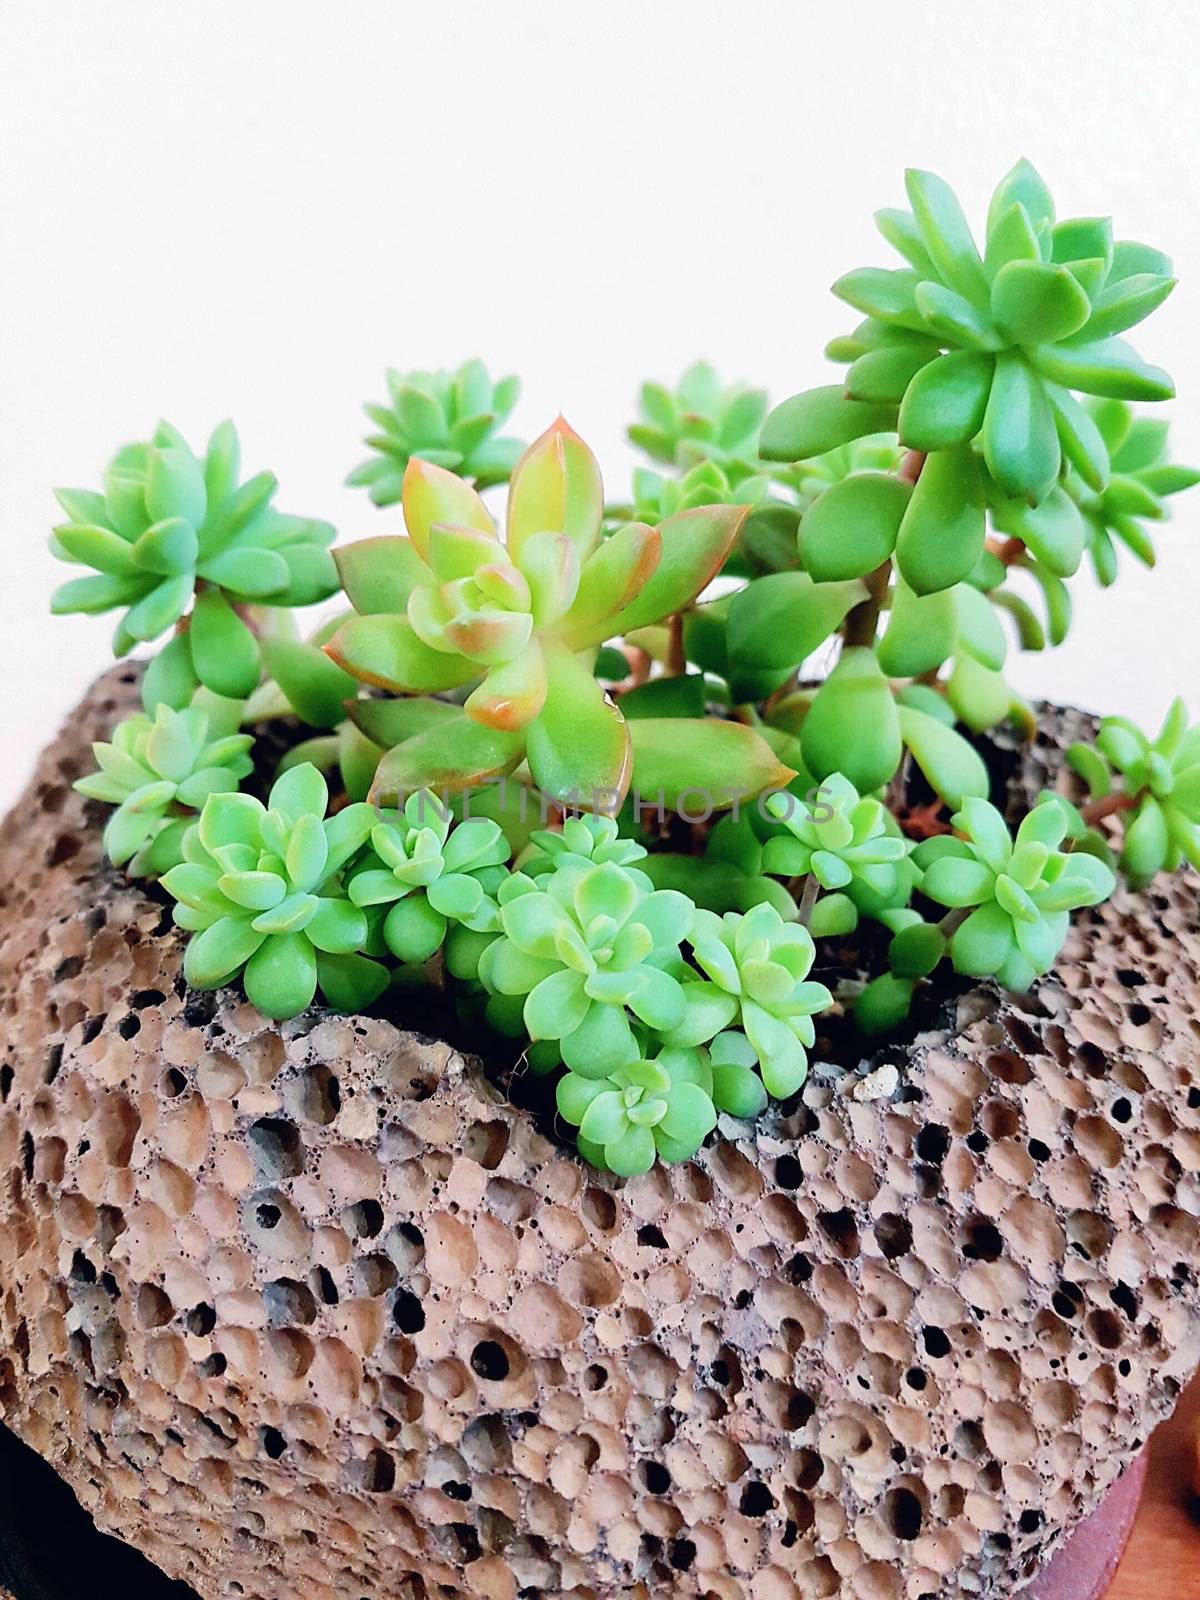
point(841, 839)
point(642, 1112)
point(429, 872)
point(974, 358)
point(755, 967)
point(1142, 479)
point(701, 420)
point(586, 840)
point(656, 497)
point(1019, 893)
point(1154, 786)
point(451, 419)
point(173, 533)
point(159, 771)
point(260, 889)
point(453, 605)
point(583, 948)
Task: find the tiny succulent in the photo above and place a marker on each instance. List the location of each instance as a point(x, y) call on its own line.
point(452, 605)
point(615, 813)
point(585, 946)
point(755, 968)
point(1154, 785)
point(641, 1111)
point(158, 772)
point(451, 419)
point(174, 536)
point(430, 873)
point(1019, 892)
point(261, 889)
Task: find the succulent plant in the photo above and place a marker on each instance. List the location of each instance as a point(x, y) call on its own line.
point(585, 946)
point(755, 966)
point(701, 420)
point(1153, 785)
point(656, 497)
point(642, 1110)
point(1141, 479)
point(1019, 892)
point(450, 604)
point(841, 840)
point(965, 352)
point(260, 888)
point(430, 873)
point(451, 419)
point(172, 532)
point(587, 840)
point(159, 772)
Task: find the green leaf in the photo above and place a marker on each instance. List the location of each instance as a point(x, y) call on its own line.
point(1081, 441)
point(451, 754)
point(920, 632)
point(155, 612)
point(945, 403)
point(884, 1003)
point(900, 230)
point(224, 651)
point(612, 577)
point(1078, 239)
point(1022, 185)
point(818, 420)
point(170, 678)
point(777, 621)
point(1020, 440)
point(945, 234)
point(889, 296)
point(431, 494)
point(953, 768)
point(955, 319)
point(389, 722)
point(709, 763)
point(1053, 530)
point(915, 951)
point(1010, 238)
point(851, 528)
point(168, 548)
point(980, 697)
point(384, 651)
point(217, 954)
point(579, 745)
point(1109, 368)
point(281, 976)
point(881, 377)
point(1036, 302)
point(556, 488)
point(315, 687)
point(979, 629)
point(852, 726)
point(1125, 303)
point(944, 529)
point(378, 575)
point(92, 595)
point(694, 547)
point(351, 982)
point(1057, 598)
point(681, 696)
point(175, 487)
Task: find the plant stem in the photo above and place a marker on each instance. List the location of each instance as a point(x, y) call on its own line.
point(676, 660)
point(808, 899)
point(863, 621)
point(953, 920)
point(1109, 806)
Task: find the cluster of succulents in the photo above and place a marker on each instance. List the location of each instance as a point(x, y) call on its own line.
point(672, 840)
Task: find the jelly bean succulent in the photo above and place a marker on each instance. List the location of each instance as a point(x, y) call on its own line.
point(176, 538)
point(1151, 786)
point(653, 840)
point(451, 419)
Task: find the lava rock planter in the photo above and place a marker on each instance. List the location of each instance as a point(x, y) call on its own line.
point(311, 1310)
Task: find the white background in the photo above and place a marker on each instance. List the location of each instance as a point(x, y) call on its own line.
point(252, 206)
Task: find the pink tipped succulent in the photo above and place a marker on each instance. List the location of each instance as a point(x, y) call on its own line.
point(520, 616)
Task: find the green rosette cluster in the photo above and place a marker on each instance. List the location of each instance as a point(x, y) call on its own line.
point(174, 536)
point(261, 890)
point(701, 420)
point(451, 419)
point(1018, 893)
point(1153, 785)
point(642, 1112)
point(841, 839)
point(158, 772)
point(427, 874)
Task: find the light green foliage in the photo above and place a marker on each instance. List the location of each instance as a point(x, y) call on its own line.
point(701, 420)
point(584, 946)
point(452, 605)
point(841, 839)
point(451, 419)
point(587, 840)
point(641, 1111)
point(171, 529)
point(1154, 786)
point(755, 967)
point(1141, 480)
point(1020, 892)
point(656, 496)
point(260, 888)
point(430, 873)
point(158, 772)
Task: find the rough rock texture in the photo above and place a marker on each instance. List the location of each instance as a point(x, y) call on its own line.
point(311, 1312)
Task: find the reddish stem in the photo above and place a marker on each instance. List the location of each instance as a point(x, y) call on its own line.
point(1109, 806)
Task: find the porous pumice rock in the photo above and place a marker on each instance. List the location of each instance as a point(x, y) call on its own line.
point(312, 1312)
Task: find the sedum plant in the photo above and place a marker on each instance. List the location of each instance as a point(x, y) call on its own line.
point(451, 419)
point(669, 836)
point(176, 541)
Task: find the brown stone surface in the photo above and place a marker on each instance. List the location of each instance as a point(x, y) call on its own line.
point(311, 1312)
